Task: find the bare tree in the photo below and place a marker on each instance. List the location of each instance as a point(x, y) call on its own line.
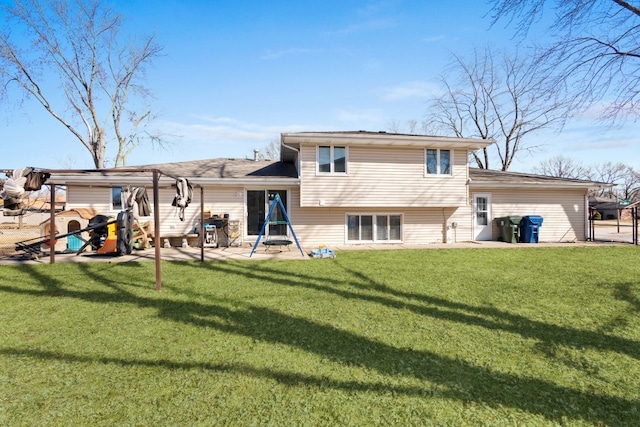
point(629, 187)
point(505, 100)
point(270, 151)
point(98, 96)
point(633, 192)
point(597, 48)
point(627, 179)
point(620, 174)
point(561, 167)
point(411, 127)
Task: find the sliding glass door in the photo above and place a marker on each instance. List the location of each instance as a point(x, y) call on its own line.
point(258, 204)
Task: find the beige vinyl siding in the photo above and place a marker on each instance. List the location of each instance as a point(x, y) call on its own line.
point(379, 176)
point(463, 232)
point(217, 200)
point(98, 198)
point(425, 226)
point(327, 226)
point(563, 211)
point(314, 226)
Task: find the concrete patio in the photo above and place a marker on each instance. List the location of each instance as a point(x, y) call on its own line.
point(293, 253)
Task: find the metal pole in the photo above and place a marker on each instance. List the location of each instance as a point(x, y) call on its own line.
point(201, 224)
point(52, 225)
point(156, 229)
point(634, 225)
point(619, 211)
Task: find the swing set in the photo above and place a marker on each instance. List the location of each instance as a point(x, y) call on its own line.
point(269, 242)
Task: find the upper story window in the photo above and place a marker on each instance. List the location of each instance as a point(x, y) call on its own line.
point(438, 162)
point(332, 159)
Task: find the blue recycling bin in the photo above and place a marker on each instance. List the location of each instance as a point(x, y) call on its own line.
point(530, 228)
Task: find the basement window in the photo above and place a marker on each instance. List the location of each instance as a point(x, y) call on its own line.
point(374, 228)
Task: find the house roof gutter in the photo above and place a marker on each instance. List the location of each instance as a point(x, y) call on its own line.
point(166, 180)
point(283, 157)
point(541, 185)
point(385, 139)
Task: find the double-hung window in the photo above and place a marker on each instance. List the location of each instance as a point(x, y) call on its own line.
point(374, 228)
point(332, 159)
point(438, 162)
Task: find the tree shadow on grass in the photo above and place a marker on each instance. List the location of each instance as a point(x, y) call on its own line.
point(440, 308)
point(457, 379)
point(624, 292)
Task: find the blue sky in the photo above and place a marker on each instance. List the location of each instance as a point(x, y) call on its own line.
point(235, 74)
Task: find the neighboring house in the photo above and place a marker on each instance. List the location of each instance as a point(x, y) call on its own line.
point(610, 208)
point(353, 187)
point(39, 210)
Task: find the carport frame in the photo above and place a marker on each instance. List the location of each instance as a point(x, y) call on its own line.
point(156, 173)
point(635, 219)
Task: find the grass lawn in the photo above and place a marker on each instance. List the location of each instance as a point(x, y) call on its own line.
point(527, 336)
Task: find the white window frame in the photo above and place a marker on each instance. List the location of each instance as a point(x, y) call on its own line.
point(332, 157)
point(374, 224)
point(438, 172)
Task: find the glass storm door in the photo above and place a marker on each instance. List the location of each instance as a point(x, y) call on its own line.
point(482, 216)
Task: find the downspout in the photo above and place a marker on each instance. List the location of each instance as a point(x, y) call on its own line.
point(297, 157)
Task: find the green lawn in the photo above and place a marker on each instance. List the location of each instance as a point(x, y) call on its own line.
point(527, 336)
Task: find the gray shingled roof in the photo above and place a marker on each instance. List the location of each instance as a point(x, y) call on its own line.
point(494, 177)
point(227, 168)
point(220, 170)
point(243, 169)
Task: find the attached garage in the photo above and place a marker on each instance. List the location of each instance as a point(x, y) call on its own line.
point(561, 202)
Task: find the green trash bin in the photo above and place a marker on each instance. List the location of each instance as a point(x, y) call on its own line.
point(501, 223)
point(509, 228)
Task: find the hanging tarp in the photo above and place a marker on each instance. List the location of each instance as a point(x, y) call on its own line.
point(184, 193)
point(18, 184)
point(136, 200)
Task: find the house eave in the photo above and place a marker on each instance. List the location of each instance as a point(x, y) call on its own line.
point(164, 181)
point(383, 139)
point(541, 185)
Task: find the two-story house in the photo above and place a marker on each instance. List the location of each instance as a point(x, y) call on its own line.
point(343, 188)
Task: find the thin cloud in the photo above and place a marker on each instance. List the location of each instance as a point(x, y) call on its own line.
point(373, 25)
point(414, 89)
point(277, 54)
point(376, 7)
point(225, 129)
point(583, 135)
point(604, 143)
point(360, 117)
point(204, 132)
point(434, 39)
